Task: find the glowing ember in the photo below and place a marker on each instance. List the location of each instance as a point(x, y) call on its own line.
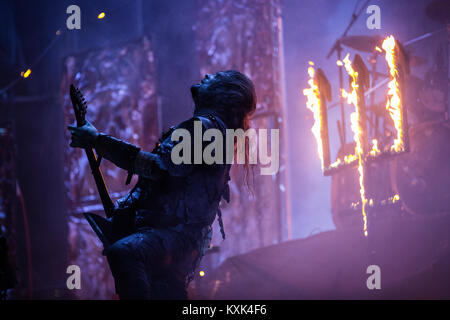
point(395, 198)
point(336, 164)
point(313, 104)
point(375, 149)
point(25, 74)
point(347, 159)
point(352, 98)
point(393, 102)
point(350, 158)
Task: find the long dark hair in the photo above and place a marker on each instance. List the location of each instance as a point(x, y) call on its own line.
point(232, 96)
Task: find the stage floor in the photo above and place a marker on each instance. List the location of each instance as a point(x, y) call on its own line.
point(413, 254)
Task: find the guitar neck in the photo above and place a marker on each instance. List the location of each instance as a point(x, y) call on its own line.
point(79, 109)
point(108, 205)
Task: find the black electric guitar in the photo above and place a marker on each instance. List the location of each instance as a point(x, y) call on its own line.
point(104, 228)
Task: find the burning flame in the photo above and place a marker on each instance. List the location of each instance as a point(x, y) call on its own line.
point(352, 98)
point(347, 159)
point(392, 106)
point(313, 104)
point(393, 102)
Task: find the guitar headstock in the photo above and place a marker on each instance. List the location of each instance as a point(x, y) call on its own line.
point(79, 105)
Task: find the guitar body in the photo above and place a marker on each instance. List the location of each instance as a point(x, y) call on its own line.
point(102, 228)
point(110, 230)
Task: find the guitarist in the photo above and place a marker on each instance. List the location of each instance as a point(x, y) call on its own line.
point(172, 206)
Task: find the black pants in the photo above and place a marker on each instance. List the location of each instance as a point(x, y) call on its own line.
point(151, 264)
